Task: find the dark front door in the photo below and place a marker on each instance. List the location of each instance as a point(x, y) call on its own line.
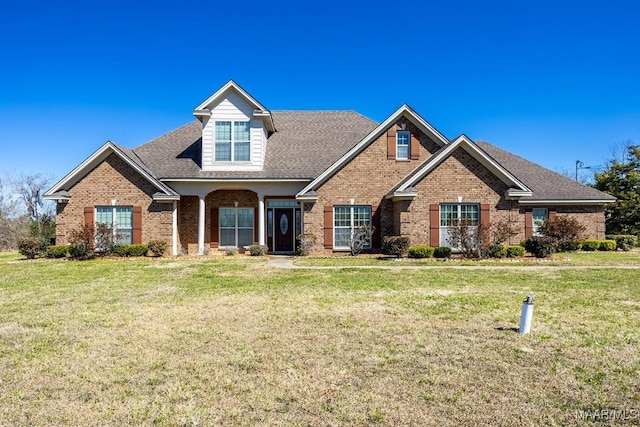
point(284, 225)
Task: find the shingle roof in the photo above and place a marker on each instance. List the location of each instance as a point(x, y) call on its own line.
point(305, 144)
point(544, 183)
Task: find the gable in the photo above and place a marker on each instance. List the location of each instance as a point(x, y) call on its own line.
point(137, 170)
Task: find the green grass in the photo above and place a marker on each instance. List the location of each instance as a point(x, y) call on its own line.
point(583, 259)
point(230, 341)
point(8, 256)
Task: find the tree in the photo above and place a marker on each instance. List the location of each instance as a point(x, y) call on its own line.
point(30, 189)
point(621, 179)
point(13, 223)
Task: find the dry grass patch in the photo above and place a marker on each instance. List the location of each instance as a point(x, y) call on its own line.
point(166, 342)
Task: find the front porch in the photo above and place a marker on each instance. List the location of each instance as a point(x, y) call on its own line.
point(224, 219)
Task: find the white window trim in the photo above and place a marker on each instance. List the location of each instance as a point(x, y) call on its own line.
point(535, 224)
point(351, 225)
point(408, 145)
point(114, 223)
point(233, 142)
point(235, 227)
point(458, 219)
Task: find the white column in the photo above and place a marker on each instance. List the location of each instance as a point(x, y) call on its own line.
point(174, 233)
point(201, 208)
point(261, 232)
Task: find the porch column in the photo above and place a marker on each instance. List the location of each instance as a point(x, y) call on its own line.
point(201, 209)
point(174, 232)
point(261, 219)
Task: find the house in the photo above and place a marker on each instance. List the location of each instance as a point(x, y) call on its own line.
point(240, 174)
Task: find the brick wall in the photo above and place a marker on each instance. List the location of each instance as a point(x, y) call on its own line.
point(371, 175)
point(113, 179)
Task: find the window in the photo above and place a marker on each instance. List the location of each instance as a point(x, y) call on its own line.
point(402, 145)
point(236, 227)
point(540, 215)
point(346, 220)
point(232, 141)
point(452, 215)
point(119, 219)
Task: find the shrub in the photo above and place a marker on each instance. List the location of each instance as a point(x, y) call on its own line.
point(103, 241)
point(121, 249)
point(395, 245)
point(258, 250)
point(497, 251)
point(590, 245)
point(540, 246)
point(569, 246)
point(231, 251)
point(305, 244)
point(468, 238)
point(138, 250)
point(57, 251)
point(30, 247)
point(624, 242)
point(360, 238)
point(514, 251)
point(562, 228)
point(81, 243)
point(442, 252)
point(421, 251)
point(607, 245)
point(124, 250)
point(158, 247)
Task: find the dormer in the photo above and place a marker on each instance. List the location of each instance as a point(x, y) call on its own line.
point(235, 128)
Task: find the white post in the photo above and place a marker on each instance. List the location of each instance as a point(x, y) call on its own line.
point(201, 208)
point(526, 316)
point(174, 233)
point(261, 232)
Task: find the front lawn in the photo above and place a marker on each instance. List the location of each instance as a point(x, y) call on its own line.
point(230, 341)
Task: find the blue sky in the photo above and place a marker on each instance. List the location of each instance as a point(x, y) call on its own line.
point(551, 81)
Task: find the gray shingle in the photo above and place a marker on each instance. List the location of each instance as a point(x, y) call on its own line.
point(305, 144)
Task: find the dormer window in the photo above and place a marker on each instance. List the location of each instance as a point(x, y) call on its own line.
point(402, 145)
point(232, 141)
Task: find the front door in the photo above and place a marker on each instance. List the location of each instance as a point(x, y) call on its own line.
point(284, 225)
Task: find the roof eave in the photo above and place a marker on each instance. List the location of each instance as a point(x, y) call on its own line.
point(571, 202)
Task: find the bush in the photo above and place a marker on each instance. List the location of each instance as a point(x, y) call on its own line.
point(305, 244)
point(624, 242)
point(442, 252)
point(231, 251)
point(157, 247)
point(360, 238)
point(540, 246)
point(258, 250)
point(81, 243)
point(569, 246)
point(590, 245)
point(395, 245)
point(57, 251)
point(514, 251)
point(497, 251)
point(607, 245)
point(103, 241)
point(421, 251)
point(562, 228)
point(124, 250)
point(30, 247)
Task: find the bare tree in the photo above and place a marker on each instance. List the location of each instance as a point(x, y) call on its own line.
point(13, 221)
point(30, 189)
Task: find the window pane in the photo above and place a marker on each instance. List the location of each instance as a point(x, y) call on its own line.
point(343, 237)
point(223, 132)
point(448, 215)
point(227, 217)
point(402, 149)
point(241, 132)
point(469, 214)
point(124, 217)
point(342, 216)
point(540, 214)
point(104, 215)
point(223, 151)
point(269, 223)
point(241, 151)
point(124, 236)
point(245, 237)
point(245, 217)
point(362, 216)
point(227, 237)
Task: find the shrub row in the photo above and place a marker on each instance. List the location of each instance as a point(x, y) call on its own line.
point(124, 250)
point(258, 250)
point(506, 251)
point(624, 242)
point(599, 245)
